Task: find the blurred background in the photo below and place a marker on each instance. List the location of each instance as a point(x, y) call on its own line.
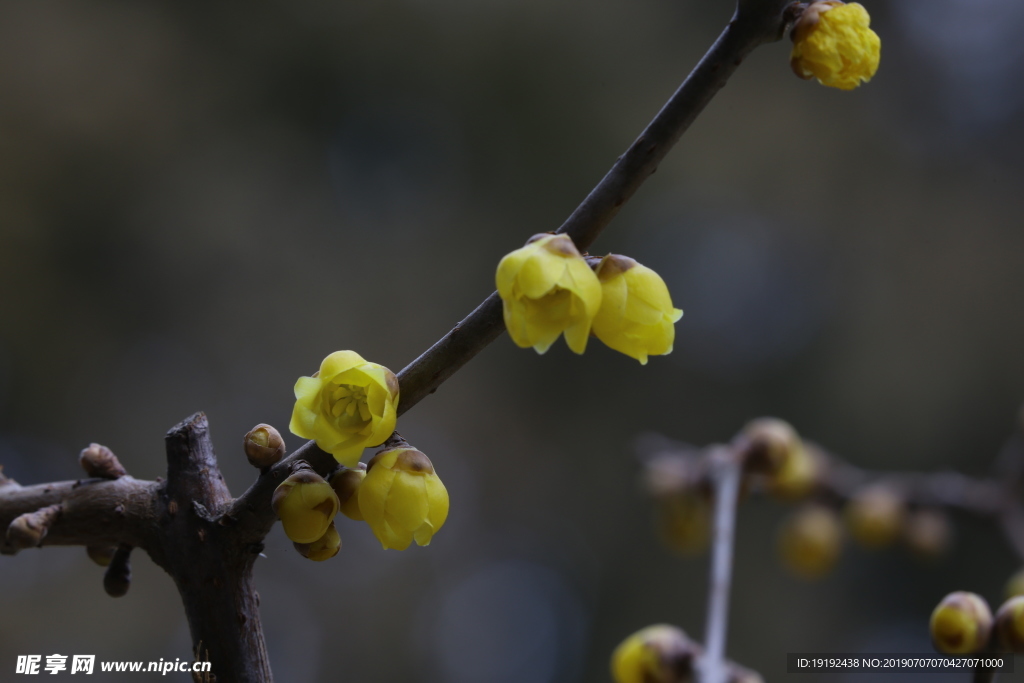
point(199, 201)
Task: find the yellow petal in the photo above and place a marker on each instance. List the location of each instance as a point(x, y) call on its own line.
point(338, 362)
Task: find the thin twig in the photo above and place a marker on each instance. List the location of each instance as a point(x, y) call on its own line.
point(726, 469)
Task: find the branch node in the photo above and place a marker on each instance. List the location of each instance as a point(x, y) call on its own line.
point(99, 461)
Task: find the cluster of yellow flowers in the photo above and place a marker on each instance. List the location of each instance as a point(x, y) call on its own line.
point(348, 405)
point(547, 288)
point(833, 42)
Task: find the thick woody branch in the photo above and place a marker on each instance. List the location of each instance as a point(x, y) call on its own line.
point(93, 511)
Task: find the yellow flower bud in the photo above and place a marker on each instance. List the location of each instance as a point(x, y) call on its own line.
point(961, 624)
point(348, 405)
point(402, 498)
point(323, 548)
point(101, 554)
point(306, 505)
point(684, 522)
point(927, 533)
point(546, 289)
point(832, 42)
point(1015, 584)
point(810, 541)
point(772, 443)
point(345, 482)
point(264, 446)
point(875, 516)
point(798, 475)
point(1010, 624)
point(636, 316)
point(656, 654)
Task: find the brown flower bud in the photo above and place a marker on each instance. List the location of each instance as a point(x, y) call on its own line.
point(99, 461)
point(324, 548)
point(101, 554)
point(29, 530)
point(345, 482)
point(264, 446)
point(961, 624)
point(118, 578)
point(1010, 624)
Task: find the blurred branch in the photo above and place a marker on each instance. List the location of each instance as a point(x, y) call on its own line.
point(726, 467)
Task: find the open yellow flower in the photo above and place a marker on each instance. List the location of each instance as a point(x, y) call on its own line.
point(402, 498)
point(547, 289)
point(636, 315)
point(348, 405)
point(834, 43)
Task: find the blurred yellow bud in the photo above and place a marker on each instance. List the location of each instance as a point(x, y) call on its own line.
point(833, 42)
point(306, 506)
point(101, 554)
point(798, 475)
point(346, 406)
point(636, 316)
point(323, 548)
point(1010, 624)
point(927, 533)
point(346, 481)
point(961, 624)
point(875, 516)
point(402, 498)
point(656, 654)
point(1015, 584)
point(772, 444)
point(810, 541)
point(546, 289)
point(264, 446)
point(684, 522)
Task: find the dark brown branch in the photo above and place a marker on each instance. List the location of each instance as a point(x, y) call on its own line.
point(210, 562)
point(94, 511)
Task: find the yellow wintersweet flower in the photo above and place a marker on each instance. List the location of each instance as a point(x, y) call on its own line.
point(636, 315)
point(832, 42)
point(348, 405)
point(547, 288)
point(402, 498)
point(306, 505)
point(656, 654)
